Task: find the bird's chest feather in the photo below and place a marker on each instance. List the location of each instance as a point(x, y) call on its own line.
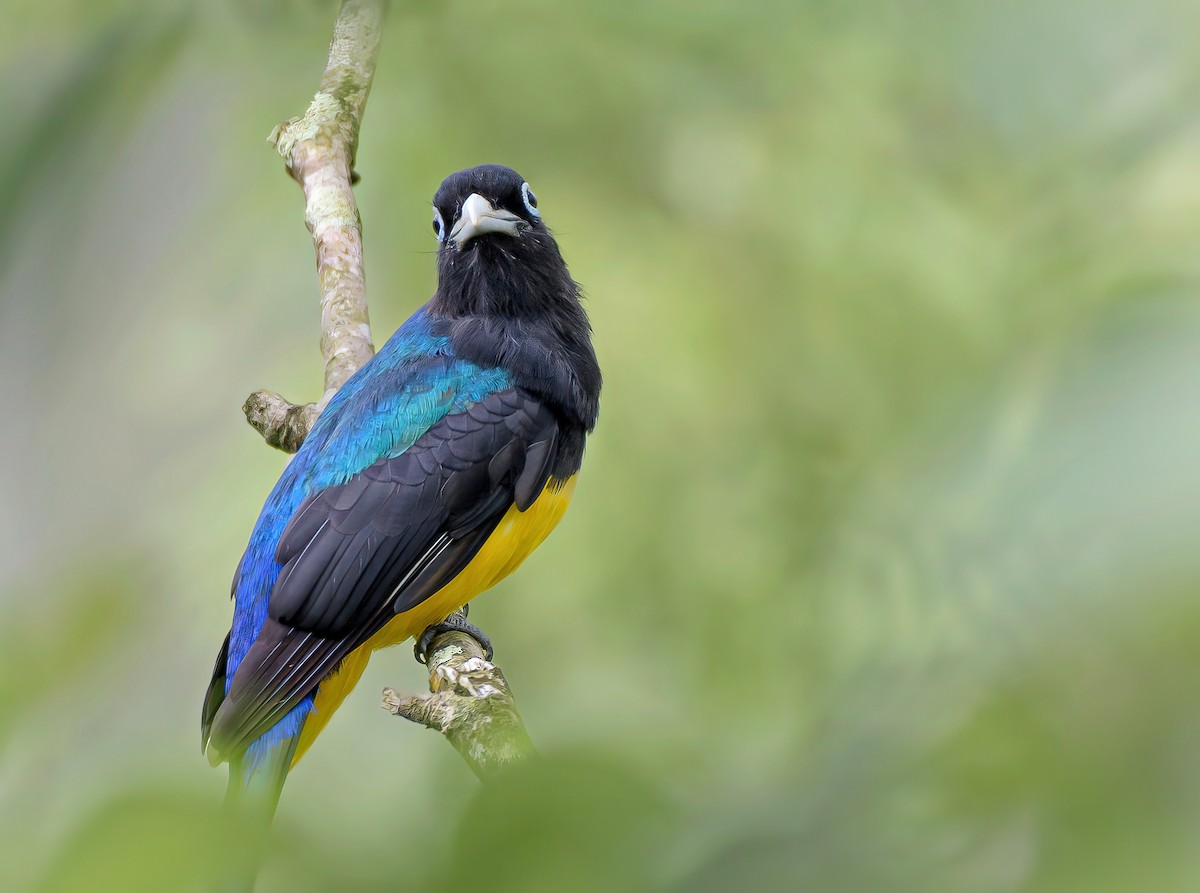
point(514, 538)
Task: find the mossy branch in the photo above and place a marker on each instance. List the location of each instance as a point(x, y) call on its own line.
point(470, 703)
point(318, 149)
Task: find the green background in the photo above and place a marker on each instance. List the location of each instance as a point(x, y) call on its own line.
point(883, 570)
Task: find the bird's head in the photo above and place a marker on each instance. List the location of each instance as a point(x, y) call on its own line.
point(489, 200)
point(495, 254)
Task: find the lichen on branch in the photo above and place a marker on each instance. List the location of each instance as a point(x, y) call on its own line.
point(318, 148)
point(470, 703)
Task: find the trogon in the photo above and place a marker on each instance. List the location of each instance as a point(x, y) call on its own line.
point(430, 476)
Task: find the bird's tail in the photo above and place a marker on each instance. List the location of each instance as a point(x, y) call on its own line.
point(256, 780)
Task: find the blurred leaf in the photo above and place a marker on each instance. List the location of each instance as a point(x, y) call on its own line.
point(559, 823)
point(146, 841)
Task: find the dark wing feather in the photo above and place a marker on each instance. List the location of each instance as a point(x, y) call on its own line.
point(381, 543)
point(216, 691)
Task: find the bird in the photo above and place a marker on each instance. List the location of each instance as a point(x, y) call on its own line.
point(432, 473)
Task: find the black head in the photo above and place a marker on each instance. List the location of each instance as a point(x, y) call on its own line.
point(487, 200)
point(496, 254)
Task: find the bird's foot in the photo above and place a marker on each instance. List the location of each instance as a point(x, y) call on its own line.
point(456, 622)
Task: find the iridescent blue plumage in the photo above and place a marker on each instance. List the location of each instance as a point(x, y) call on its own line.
point(413, 382)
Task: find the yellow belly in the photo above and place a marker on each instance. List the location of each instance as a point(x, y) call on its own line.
point(516, 536)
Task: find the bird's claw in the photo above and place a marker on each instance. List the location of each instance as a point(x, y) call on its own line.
point(456, 622)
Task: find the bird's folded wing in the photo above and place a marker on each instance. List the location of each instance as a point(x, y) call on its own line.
point(354, 555)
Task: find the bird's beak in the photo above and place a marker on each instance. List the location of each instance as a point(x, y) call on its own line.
point(479, 217)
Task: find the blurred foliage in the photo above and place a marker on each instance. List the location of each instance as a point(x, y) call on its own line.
point(882, 574)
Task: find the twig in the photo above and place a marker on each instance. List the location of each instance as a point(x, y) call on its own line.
point(318, 149)
point(470, 703)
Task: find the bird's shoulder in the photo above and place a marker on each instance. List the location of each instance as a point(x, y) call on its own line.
point(414, 381)
point(550, 358)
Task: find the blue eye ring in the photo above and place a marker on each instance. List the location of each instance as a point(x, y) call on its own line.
point(439, 226)
point(530, 200)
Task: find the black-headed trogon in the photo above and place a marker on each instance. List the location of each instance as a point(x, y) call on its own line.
point(432, 473)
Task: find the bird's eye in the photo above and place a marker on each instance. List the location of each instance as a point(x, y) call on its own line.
point(439, 225)
point(530, 200)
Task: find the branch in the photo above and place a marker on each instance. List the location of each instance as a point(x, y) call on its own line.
point(470, 703)
point(318, 149)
